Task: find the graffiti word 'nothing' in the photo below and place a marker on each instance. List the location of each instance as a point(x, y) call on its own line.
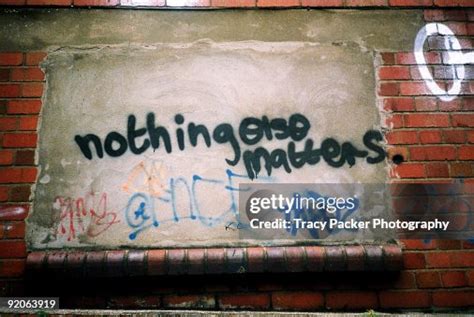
point(251, 131)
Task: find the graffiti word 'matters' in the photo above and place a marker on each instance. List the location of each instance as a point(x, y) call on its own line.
point(456, 58)
point(86, 215)
point(251, 131)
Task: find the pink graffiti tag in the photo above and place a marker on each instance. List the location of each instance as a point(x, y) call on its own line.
point(84, 215)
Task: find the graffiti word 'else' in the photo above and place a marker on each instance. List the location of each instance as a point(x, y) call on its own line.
point(251, 131)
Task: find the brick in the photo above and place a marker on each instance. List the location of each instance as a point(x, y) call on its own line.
point(453, 298)
point(25, 157)
point(49, 2)
point(470, 277)
point(458, 169)
point(13, 2)
point(256, 259)
point(11, 59)
point(115, 263)
point(4, 191)
point(454, 279)
point(32, 106)
point(3, 106)
point(335, 259)
point(4, 74)
point(278, 3)
point(432, 153)
point(404, 299)
point(402, 137)
point(430, 136)
point(408, 170)
point(10, 90)
point(32, 90)
point(389, 89)
point(233, 3)
point(188, 3)
point(399, 104)
point(252, 301)
point(235, 260)
point(443, 72)
point(366, 3)
point(463, 120)
point(454, 105)
point(413, 260)
point(34, 58)
point(28, 123)
point(189, 301)
point(351, 300)
point(433, 15)
point(13, 212)
point(196, 259)
point(315, 257)
point(322, 3)
point(18, 175)
point(388, 58)
point(95, 264)
point(426, 120)
point(300, 301)
point(437, 170)
point(458, 28)
point(276, 259)
point(75, 263)
point(395, 121)
point(468, 104)
point(455, 15)
point(96, 3)
point(12, 268)
point(8, 123)
point(405, 280)
point(415, 72)
point(18, 140)
point(414, 89)
point(410, 3)
point(14, 230)
point(296, 259)
point(177, 261)
point(450, 259)
point(398, 150)
point(12, 249)
point(27, 74)
point(394, 72)
point(466, 152)
point(448, 244)
point(409, 58)
point(355, 258)
point(429, 279)
point(426, 104)
point(454, 136)
point(20, 193)
point(215, 260)
point(143, 3)
point(470, 136)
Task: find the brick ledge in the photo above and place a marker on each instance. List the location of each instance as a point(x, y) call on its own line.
point(115, 263)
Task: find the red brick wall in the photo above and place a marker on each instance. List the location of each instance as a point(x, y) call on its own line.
point(435, 138)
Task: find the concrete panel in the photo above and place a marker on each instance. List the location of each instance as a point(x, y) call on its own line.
point(151, 195)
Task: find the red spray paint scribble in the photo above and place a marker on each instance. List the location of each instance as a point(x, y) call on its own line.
point(84, 215)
